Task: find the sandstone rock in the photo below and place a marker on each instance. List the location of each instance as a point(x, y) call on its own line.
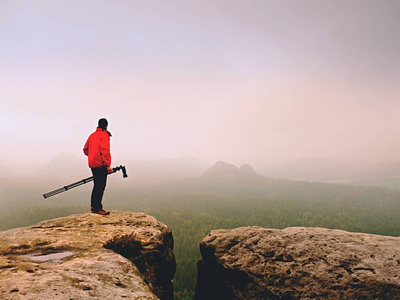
point(223, 169)
point(67, 258)
point(228, 172)
point(298, 263)
point(248, 169)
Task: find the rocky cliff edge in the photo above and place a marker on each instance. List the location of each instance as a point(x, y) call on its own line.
point(122, 256)
point(298, 263)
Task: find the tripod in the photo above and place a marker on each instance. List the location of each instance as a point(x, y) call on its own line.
point(83, 181)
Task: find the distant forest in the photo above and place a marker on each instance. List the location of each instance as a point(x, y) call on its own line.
point(193, 207)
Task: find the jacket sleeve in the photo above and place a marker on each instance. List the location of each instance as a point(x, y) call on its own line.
point(86, 148)
point(105, 151)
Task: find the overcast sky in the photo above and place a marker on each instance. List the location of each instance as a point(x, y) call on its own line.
point(242, 81)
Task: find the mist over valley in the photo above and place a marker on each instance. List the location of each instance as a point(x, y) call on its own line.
point(193, 198)
point(224, 113)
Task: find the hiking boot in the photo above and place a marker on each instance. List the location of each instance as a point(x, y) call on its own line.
point(101, 212)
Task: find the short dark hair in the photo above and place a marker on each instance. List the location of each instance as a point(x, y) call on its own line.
point(103, 123)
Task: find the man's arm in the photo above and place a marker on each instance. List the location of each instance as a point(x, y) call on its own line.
point(105, 152)
point(86, 148)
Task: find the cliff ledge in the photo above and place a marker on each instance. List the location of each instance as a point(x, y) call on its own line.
point(298, 263)
point(122, 256)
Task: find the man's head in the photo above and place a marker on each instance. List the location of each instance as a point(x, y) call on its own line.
point(103, 123)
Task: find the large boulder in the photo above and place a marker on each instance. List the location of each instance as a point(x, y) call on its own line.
point(122, 256)
point(298, 263)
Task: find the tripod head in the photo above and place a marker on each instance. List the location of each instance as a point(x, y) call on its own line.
point(124, 175)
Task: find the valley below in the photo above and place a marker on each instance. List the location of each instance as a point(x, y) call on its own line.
point(222, 197)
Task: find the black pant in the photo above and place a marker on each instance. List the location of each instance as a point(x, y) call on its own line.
point(100, 180)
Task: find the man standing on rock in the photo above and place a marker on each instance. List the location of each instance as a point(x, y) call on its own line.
point(97, 149)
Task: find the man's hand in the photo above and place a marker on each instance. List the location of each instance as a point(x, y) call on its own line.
point(110, 170)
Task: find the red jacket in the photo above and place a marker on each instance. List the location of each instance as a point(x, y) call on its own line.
point(97, 148)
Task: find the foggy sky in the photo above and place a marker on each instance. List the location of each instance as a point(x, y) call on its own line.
point(242, 81)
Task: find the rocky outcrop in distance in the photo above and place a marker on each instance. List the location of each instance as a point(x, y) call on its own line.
point(122, 256)
point(227, 170)
point(298, 263)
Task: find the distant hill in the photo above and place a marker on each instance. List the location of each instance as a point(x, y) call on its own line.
point(3, 183)
point(222, 179)
point(7, 172)
point(341, 171)
point(385, 175)
point(228, 181)
point(315, 169)
point(165, 169)
point(223, 171)
point(66, 166)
